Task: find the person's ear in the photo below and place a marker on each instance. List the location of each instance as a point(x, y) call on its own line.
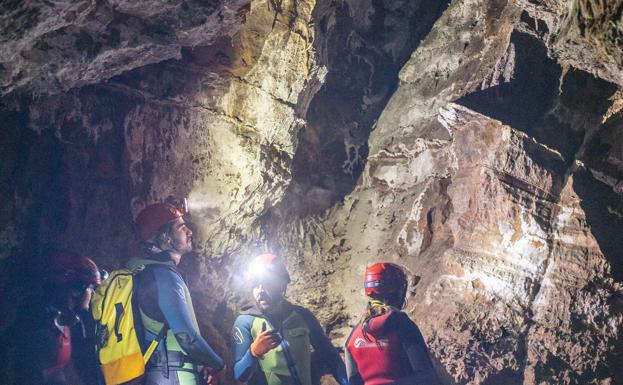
point(163, 239)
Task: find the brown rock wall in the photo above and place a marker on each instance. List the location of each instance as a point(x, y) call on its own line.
point(326, 131)
point(51, 47)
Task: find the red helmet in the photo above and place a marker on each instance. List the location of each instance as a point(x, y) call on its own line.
point(268, 264)
point(68, 268)
point(383, 279)
point(153, 217)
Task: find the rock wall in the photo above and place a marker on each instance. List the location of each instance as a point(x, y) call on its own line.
point(476, 143)
point(54, 46)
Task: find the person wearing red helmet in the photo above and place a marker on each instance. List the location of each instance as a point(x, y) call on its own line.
point(386, 347)
point(273, 338)
point(54, 323)
point(164, 299)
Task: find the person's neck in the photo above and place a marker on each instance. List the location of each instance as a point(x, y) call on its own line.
point(276, 314)
point(161, 254)
point(175, 257)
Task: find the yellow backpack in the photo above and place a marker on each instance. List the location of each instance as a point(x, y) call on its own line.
point(119, 349)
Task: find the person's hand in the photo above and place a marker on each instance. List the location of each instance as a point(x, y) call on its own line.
point(213, 376)
point(85, 300)
point(266, 341)
point(209, 377)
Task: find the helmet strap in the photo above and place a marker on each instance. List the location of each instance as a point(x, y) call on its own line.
point(392, 300)
point(156, 253)
point(376, 302)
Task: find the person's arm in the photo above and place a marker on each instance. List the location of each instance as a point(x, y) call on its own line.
point(84, 354)
point(173, 305)
point(352, 370)
point(244, 362)
point(415, 347)
point(323, 346)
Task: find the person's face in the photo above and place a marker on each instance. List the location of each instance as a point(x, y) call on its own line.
point(85, 298)
point(80, 297)
point(268, 293)
point(181, 238)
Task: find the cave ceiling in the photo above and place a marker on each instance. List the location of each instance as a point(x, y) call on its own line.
point(478, 143)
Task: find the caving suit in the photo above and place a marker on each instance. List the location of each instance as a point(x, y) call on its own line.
point(46, 339)
point(290, 363)
point(60, 351)
point(392, 352)
point(163, 295)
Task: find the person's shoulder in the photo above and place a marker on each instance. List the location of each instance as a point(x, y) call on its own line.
point(405, 326)
point(400, 317)
point(162, 270)
point(302, 311)
point(248, 314)
point(244, 320)
point(245, 317)
point(299, 309)
point(307, 316)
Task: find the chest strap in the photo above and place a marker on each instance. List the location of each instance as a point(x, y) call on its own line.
point(285, 346)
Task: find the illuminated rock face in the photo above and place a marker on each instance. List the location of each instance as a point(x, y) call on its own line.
point(464, 141)
point(516, 267)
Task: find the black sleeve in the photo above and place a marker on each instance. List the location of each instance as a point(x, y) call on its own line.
point(323, 346)
point(352, 370)
point(84, 355)
point(415, 347)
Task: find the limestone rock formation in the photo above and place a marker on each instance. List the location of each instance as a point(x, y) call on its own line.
point(49, 47)
point(477, 143)
point(584, 34)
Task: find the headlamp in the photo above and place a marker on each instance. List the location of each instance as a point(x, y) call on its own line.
point(183, 207)
point(180, 204)
point(257, 272)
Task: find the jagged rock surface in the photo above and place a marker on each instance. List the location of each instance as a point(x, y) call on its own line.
point(468, 142)
point(49, 47)
point(584, 34)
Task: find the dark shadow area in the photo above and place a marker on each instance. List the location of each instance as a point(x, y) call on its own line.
point(30, 163)
point(579, 108)
point(603, 206)
point(532, 100)
point(551, 371)
point(600, 203)
point(505, 376)
point(56, 182)
point(523, 99)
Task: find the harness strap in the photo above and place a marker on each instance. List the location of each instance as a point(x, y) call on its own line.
point(162, 334)
point(173, 359)
point(285, 346)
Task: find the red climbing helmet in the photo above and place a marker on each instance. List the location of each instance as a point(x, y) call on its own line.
point(153, 217)
point(268, 265)
point(72, 269)
point(383, 279)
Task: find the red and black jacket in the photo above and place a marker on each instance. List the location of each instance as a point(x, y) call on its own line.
point(392, 352)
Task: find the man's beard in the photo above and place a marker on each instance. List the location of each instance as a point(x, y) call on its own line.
point(267, 303)
point(183, 247)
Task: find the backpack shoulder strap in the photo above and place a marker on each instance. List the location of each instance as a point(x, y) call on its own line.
point(151, 348)
point(154, 343)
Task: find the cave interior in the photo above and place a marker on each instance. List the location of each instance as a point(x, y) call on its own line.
point(476, 143)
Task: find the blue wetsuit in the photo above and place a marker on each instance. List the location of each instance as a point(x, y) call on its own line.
point(163, 295)
point(300, 330)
